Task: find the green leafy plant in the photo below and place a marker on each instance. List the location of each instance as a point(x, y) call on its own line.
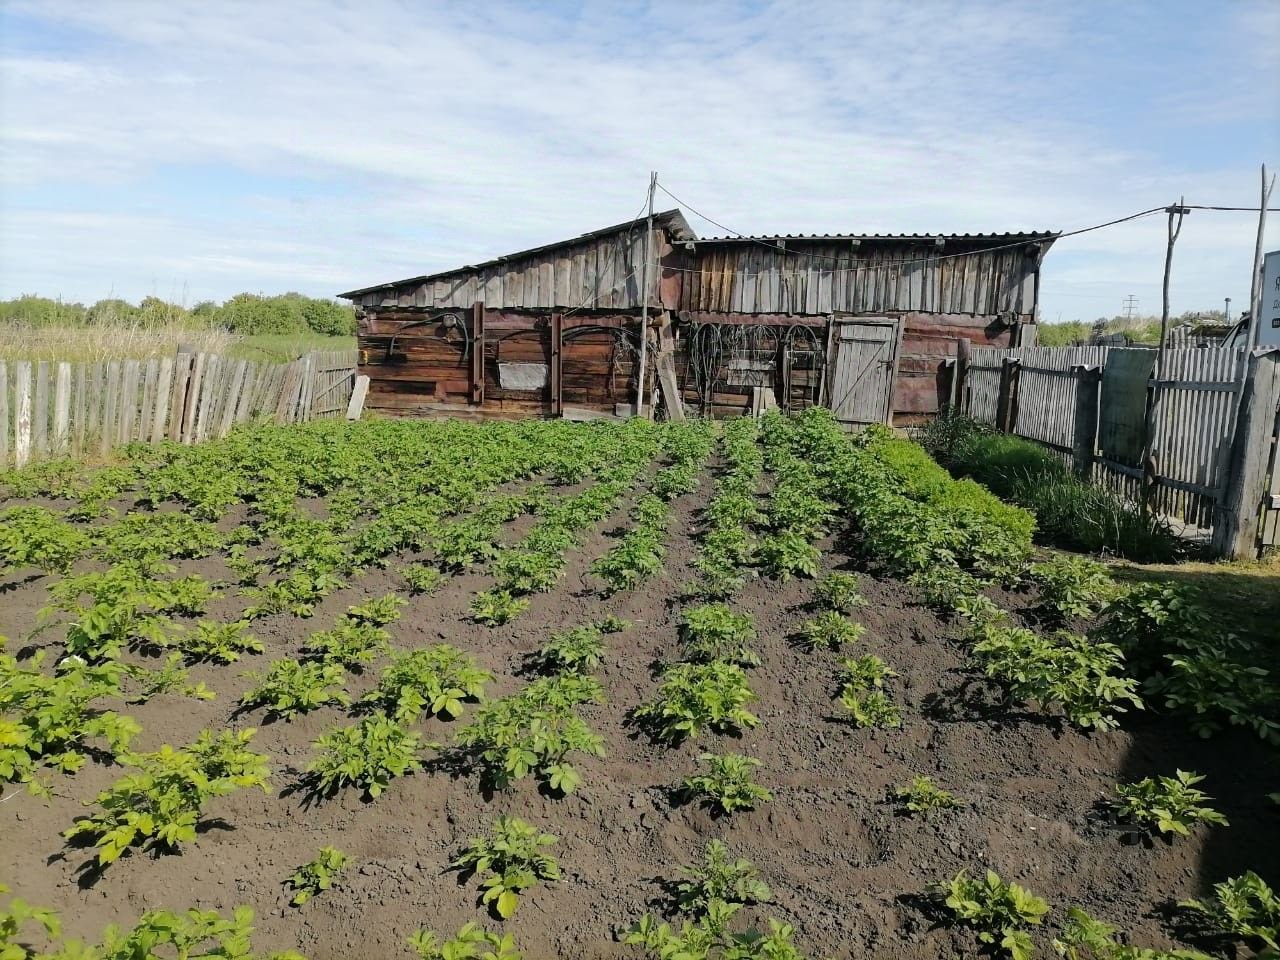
point(1166, 804)
point(510, 860)
point(709, 938)
point(496, 607)
point(924, 796)
point(535, 731)
point(171, 678)
point(38, 537)
point(368, 754)
point(1072, 586)
point(463, 543)
point(998, 911)
point(1084, 938)
point(862, 693)
point(698, 696)
point(352, 643)
point(160, 802)
point(718, 877)
point(378, 611)
point(838, 592)
point(1244, 907)
point(726, 785)
point(291, 687)
point(714, 632)
point(469, 943)
point(788, 554)
point(577, 650)
point(218, 642)
point(829, 630)
point(528, 571)
point(422, 578)
point(437, 680)
point(317, 875)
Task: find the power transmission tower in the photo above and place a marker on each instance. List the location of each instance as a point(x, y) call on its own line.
point(1130, 306)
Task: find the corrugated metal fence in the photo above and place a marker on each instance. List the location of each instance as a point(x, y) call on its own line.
point(1090, 406)
point(77, 409)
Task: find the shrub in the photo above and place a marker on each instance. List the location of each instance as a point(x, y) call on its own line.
point(727, 785)
point(511, 860)
point(368, 754)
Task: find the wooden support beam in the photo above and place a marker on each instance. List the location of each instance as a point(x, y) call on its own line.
point(1235, 534)
point(477, 352)
point(358, 393)
point(665, 365)
point(556, 373)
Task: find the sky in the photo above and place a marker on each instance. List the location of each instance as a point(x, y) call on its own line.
point(194, 150)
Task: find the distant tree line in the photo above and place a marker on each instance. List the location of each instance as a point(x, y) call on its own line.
point(245, 313)
point(1139, 329)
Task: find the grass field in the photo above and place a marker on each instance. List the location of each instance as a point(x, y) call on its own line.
point(748, 690)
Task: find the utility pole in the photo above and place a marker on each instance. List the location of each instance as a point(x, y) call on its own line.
point(1179, 210)
point(1255, 291)
point(644, 300)
point(1149, 452)
point(1226, 310)
point(1130, 306)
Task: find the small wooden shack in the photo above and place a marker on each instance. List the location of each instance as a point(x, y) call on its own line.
point(875, 326)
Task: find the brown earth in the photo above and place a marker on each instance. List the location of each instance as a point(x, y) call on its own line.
point(846, 869)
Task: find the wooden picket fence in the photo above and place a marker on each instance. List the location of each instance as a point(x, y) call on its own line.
point(50, 409)
point(1102, 408)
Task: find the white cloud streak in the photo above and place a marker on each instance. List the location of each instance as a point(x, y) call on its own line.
point(399, 138)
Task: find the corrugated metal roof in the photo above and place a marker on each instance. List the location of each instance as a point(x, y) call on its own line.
point(672, 219)
point(1013, 237)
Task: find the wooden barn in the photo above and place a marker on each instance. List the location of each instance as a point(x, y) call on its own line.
point(876, 327)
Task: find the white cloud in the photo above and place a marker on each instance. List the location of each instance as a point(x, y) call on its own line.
point(448, 133)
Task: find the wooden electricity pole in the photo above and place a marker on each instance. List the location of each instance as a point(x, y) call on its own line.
point(1255, 290)
point(644, 301)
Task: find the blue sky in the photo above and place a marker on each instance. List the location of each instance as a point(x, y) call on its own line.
point(194, 150)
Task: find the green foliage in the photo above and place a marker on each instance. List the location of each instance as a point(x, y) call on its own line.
point(838, 592)
point(788, 554)
point(171, 678)
point(726, 785)
point(1084, 938)
point(714, 632)
point(528, 571)
point(534, 731)
point(998, 911)
point(862, 693)
point(156, 536)
point(709, 938)
point(718, 877)
point(1083, 677)
point(699, 696)
point(248, 313)
point(54, 721)
point(436, 680)
point(352, 643)
point(463, 543)
point(924, 796)
point(16, 915)
point(377, 612)
point(291, 687)
point(495, 607)
point(217, 642)
point(39, 537)
point(297, 594)
point(577, 650)
point(161, 801)
point(1243, 907)
point(469, 943)
point(368, 754)
point(1166, 804)
point(640, 552)
point(421, 578)
point(510, 861)
point(317, 875)
point(829, 630)
point(1072, 586)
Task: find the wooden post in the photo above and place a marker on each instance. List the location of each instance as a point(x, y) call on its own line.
point(556, 373)
point(21, 413)
point(1007, 400)
point(4, 414)
point(62, 408)
point(1235, 533)
point(162, 400)
point(961, 374)
point(40, 411)
point(1255, 289)
point(642, 380)
point(358, 393)
point(477, 353)
point(665, 365)
point(1084, 443)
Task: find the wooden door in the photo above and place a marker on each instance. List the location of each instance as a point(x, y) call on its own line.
point(864, 362)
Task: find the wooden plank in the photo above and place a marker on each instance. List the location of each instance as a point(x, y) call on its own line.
point(192, 399)
point(1236, 536)
point(182, 367)
point(4, 414)
point(356, 405)
point(244, 403)
point(164, 386)
point(113, 373)
point(21, 413)
point(150, 374)
point(62, 409)
point(477, 353)
point(287, 400)
point(40, 412)
point(556, 372)
point(80, 405)
point(234, 388)
point(128, 402)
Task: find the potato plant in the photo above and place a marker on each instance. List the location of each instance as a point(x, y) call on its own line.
point(291, 687)
point(710, 937)
point(726, 784)
point(577, 650)
point(40, 538)
point(719, 877)
point(695, 697)
point(352, 643)
point(829, 630)
point(838, 592)
point(1000, 912)
point(712, 632)
point(434, 680)
point(469, 943)
point(495, 607)
point(863, 695)
point(368, 755)
point(509, 861)
point(923, 796)
point(1071, 586)
point(210, 641)
point(421, 578)
point(160, 801)
point(317, 875)
point(1244, 908)
point(1084, 938)
point(1167, 805)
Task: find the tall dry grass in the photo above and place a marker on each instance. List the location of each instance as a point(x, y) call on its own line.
point(108, 341)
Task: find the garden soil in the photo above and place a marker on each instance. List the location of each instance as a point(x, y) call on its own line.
point(848, 871)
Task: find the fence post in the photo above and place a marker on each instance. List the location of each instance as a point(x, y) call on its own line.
point(1084, 442)
point(477, 353)
point(1007, 400)
point(1235, 534)
point(960, 375)
point(21, 413)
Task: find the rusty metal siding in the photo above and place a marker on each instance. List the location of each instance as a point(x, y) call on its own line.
point(824, 277)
